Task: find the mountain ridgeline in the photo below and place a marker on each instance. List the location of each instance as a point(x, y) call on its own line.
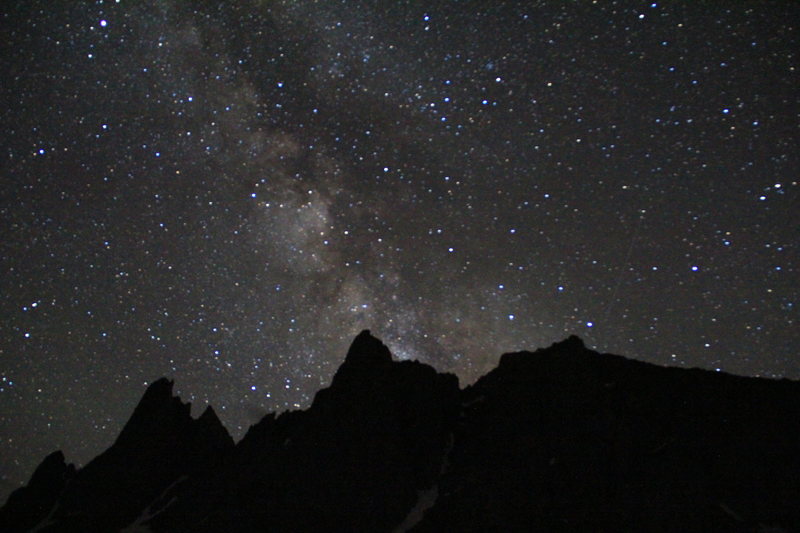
point(562, 439)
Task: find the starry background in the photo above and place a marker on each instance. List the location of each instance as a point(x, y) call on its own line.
point(227, 192)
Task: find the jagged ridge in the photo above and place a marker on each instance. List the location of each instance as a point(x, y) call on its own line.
point(560, 439)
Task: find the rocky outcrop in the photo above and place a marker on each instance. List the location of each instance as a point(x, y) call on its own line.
point(354, 461)
point(160, 444)
point(33, 503)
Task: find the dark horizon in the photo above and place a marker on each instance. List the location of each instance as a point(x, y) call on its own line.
point(560, 437)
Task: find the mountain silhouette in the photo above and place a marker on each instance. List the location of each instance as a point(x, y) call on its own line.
point(561, 439)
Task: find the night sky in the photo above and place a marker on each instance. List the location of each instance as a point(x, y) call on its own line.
point(226, 193)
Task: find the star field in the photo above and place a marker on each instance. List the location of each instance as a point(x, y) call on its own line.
point(227, 192)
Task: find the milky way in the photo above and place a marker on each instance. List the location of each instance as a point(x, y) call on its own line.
point(227, 192)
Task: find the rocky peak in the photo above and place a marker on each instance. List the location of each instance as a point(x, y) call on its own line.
point(157, 411)
point(366, 360)
point(367, 347)
point(28, 505)
point(571, 343)
point(210, 427)
point(209, 417)
point(54, 468)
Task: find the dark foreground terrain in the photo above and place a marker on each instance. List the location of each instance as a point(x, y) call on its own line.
point(563, 439)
